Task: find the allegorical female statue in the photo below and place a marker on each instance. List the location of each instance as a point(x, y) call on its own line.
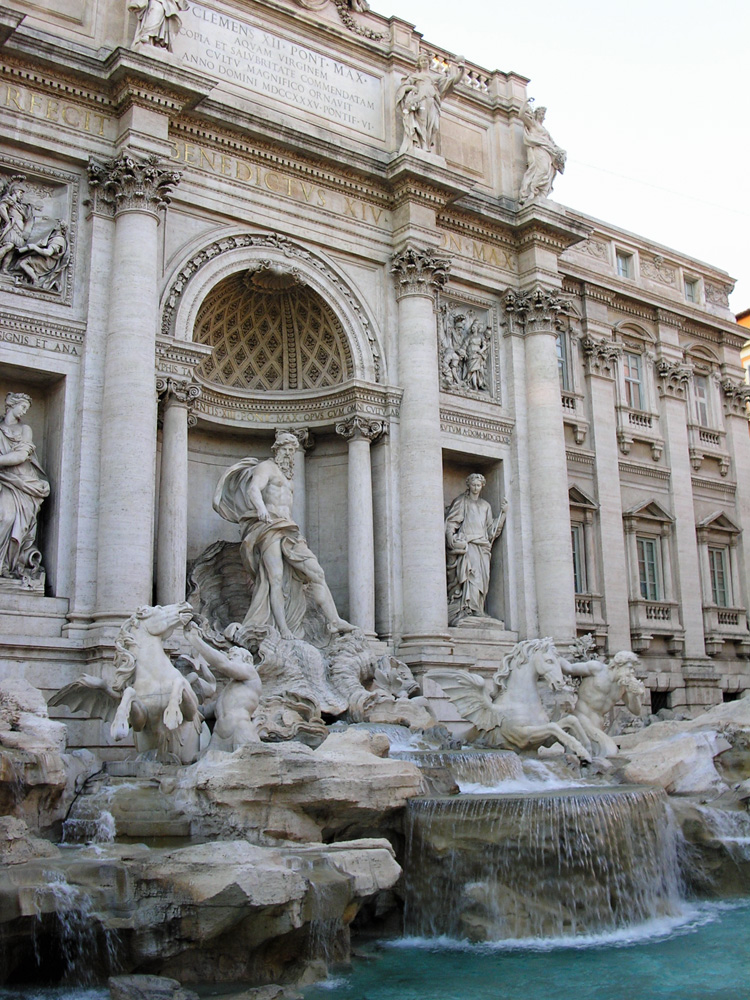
point(544, 158)
point(470, 533)
point(23, 487)
point(158, 21)
point(419, 98)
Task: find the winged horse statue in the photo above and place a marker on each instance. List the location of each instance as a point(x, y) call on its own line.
point(507, 709)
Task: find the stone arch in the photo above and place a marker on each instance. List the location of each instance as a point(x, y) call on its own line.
point(201, 271)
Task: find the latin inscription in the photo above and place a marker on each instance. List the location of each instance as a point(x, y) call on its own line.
point(249, 57)
point(38, 343)
point(50, 109)
point(278, 183)
point(484, 253)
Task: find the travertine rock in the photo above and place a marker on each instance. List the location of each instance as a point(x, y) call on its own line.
point(24, 722)
point(682, 764)
point(148, 988)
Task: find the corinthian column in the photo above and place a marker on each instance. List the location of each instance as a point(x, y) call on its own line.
point(360, 433)
point(535, 315)
point(178, 397)
point(419, 275)
point(135, 190)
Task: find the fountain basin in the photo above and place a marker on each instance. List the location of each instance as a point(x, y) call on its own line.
point(539, 864)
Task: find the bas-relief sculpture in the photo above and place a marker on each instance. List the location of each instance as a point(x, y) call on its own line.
point(23, 487)
point(601, 687)
point(419, 98)
point(40, 263)
point(464, 350)
point(158, 21)
point(470, 532)
point(544, 158)
point(507, 710)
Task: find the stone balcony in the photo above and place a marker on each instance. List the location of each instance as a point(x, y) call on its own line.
point(705, 442)
point(638, 425)
point(650, 618)
point(590, 617)
point(722, 625)
point(572, 407)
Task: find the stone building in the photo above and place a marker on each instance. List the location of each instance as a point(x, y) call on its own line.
point(277, 215)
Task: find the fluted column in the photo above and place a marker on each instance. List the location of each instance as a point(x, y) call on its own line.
point(135, 189)
point(419, 275)
point(360, 433)
point(535, 315)
point(178, 397)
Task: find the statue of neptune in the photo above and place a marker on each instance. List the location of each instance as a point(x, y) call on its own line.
point(258, 495)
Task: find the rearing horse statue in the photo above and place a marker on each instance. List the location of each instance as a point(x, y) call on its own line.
point(508, 709)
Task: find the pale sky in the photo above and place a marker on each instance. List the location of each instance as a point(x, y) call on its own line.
point(651, 99)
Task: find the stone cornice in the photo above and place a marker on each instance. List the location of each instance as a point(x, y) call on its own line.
point(478, 427)
point(40, 335)
point(646, 471)
point(130, 183)
point(423, 178)
point(419, 271)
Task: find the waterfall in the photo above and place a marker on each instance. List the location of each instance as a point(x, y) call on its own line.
point(481, 767)
point(100, 829)
point(548, 864)
point(731, 828)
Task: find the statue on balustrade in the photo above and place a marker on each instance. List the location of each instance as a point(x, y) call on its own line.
point(282, 569)
point(158, 21)
point(544, 158)
point(470, 532)
point(23, 487)
point(419, 99)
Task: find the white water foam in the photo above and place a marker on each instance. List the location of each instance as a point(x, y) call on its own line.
point(690, 918)
point(537, 777)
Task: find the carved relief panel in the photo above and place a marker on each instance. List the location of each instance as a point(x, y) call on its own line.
point(38, 217)
point(467, 346)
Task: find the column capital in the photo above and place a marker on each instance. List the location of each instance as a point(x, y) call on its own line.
point(356, 427)
point(131, 183)
point(178, 392)
point(599, 356)
point(535, 310)
point(736, 395)
point(419, 271)
point(672, 378)
point(305, 437)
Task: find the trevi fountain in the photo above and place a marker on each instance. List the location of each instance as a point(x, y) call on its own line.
point(372, 593)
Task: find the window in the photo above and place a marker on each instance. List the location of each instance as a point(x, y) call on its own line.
point(624, 264)
point(648, 568)
point(579, 558)
point(563, 369)
point(691, 290)
point(633, 368)
point(718, 561)
point(700, 385)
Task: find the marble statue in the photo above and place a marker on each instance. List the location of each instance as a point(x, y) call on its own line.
point(419, 98)
point(470, 532)
point(601, 687)
point(149, 694)
point(23, 487)
point(43, 262)
point(464, 350)
point(17, 217)
point(544, 158)
point(239, 698)
point(258, 495)
point(507, 710)
point(158, 21)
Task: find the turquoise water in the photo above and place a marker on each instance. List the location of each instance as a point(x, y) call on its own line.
point(705, 955)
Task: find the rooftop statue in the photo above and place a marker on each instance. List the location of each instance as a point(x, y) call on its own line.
point(507, 710)
point(23, 487)
point(602, 686)
point(258, 495)
point(545, 159)
point(419, 98)
point(470, 532)
point(158, 21)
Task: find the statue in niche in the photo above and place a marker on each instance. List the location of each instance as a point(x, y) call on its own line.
point(158, 21)
point(23, 487)
point(470, 532)
point(601, 687)
point(43, 262)
point(464, 350)
point(419, 99)
point(544, 158)
point(282, 569)
point(17, 217)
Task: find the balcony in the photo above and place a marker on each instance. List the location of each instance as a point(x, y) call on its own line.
point(572, 407)
point(638, 425)
point(650, 618)
point(722, 625)
point(704, 442)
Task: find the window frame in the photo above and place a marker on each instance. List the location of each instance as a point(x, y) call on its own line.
point(629, 381)
point(627, 260)
point(657, 583)
point(578, 545)
point(722, 551)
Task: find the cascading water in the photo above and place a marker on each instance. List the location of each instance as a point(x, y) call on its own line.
point(482, 767)
point(548, 864)
point(731, 828)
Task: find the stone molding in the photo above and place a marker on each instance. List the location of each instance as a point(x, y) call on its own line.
point(736, 395)
point(600, 356)
point(179, 358)
point(647, 471)
point(361, 427)
point(672, 378)
point(535, 310)
point(130, 183)
point(594, 248)
point(277, 246)
point(471, 425)
point(28, 332)
point(656, 269)
point(179, 392)
point(419, 271)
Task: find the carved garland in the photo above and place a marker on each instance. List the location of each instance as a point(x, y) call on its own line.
point(274, 241)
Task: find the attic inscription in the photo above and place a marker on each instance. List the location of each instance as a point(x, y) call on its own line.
point(249, 57)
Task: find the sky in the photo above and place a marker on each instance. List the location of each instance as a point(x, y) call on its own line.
point(650, 98)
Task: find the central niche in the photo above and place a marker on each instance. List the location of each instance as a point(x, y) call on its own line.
point(270, 332)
